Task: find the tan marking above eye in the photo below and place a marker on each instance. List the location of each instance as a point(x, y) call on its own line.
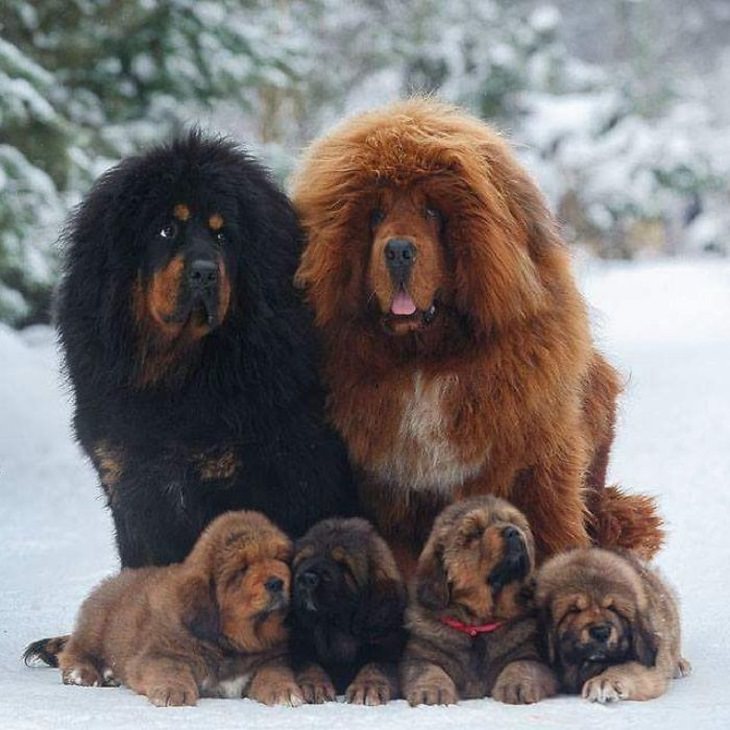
point(215, 222)
point(181, 212)
point(607, 602)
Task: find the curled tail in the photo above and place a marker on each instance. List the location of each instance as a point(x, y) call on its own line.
point(622, 520)
point(45, 650)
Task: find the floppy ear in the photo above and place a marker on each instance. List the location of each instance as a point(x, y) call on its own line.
point(200, 610)
point(644, 642)
point(381, 610)
point(547, 635)
point(432, 587)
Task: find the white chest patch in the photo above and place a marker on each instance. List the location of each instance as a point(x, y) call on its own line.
point(424, 455)
point(229, 688)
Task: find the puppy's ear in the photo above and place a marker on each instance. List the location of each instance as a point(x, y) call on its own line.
point(644, 642)
point(200, 610)
point(432, 587)
point(380, 612)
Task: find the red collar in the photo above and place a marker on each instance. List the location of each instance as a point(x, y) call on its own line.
point(471, 629)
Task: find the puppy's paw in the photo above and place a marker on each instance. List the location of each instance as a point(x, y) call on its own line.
point(279, 693)
point(175, 694)
point(368, 691)
point(83, 675)
point(432, 693)
point(524, 683)
point(683, 668)
point(316, 688)
point(605, 688)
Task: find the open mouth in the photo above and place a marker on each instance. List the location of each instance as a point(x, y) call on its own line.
point(404, 313)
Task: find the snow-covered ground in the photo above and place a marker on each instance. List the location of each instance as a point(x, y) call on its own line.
point(666, 324)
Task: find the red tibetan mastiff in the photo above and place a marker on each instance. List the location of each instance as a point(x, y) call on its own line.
point(458, 349)
point(211, 626)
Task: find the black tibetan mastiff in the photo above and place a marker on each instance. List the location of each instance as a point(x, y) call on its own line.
point(348, 600)
point(190, 354)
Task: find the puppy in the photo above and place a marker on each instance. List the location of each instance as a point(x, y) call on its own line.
point(347, 618)
point(212, 625)
point(611, 625)
point(473, 631)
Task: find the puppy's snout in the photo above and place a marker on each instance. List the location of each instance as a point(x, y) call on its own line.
point(513, 539)
point(203, 274)
point(308, 579)
point(400, 253)
point(274, 585)
point(600, 632)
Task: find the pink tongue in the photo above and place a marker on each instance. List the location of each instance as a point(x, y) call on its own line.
point(402, 304)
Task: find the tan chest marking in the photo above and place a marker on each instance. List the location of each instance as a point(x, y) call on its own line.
point(426, 453)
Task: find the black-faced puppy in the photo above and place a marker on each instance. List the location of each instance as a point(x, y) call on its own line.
point(611, 625)
point(347, 614)
point(213, 625)
point(473, 629)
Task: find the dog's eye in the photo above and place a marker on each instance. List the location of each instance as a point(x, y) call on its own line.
point(433, 214)
point(220, 238)
point(376, 217)
point(169, 231)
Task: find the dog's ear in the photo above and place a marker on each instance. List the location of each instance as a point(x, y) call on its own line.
point(547, 634)
point(644, 641)
point(200, 610)
point(432, 586)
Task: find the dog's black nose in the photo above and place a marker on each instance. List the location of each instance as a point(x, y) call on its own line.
point(399, 256)
point(274, 585)
point(600, 632)
point(308, 579)
point(203, 273)
point(511, 533)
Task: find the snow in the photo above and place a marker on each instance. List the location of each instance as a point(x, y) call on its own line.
point(666, 324)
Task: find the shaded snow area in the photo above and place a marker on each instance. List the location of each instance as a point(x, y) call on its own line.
point(666, 324)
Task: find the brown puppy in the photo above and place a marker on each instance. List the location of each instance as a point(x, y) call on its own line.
point(348, 600)
point(612, 625)
point(457, 345)
point(473, 632)
point(212, 625)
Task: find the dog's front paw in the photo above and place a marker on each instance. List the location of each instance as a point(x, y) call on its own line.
point(280, 693)
point(83, 675)
point(316, 686)
point(605, 688)
point(524, 683)
point(435, 692)
point(368, 691)
point(176, 694)
point(683, 668)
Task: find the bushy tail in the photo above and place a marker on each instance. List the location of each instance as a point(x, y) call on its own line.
point(630, 521)
point(45, 650)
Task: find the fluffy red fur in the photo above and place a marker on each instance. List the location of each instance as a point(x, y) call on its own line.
point(476, 374)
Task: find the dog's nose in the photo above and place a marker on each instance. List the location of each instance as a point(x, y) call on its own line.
point(399, 256)
point(274, 585)
point(600, 632)
point(203, 273)
point(308, 579)
point(510, 533)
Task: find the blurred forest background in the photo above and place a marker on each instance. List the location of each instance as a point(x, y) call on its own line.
point(619, 108)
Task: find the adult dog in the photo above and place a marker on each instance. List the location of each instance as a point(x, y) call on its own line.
point(348, 600)
point(458, 349)
point(611, 624)
point(213, 625)
point(189, 352)
point(472, 623)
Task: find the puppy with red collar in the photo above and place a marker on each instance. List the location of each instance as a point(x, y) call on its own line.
point(473, 629)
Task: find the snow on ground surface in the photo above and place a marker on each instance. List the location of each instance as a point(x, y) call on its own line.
point(666, 324)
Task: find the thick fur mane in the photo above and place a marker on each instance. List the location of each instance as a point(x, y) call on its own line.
point(508, 256)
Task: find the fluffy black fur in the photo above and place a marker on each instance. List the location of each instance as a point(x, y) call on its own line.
point(348, 601)
point(182, 428)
